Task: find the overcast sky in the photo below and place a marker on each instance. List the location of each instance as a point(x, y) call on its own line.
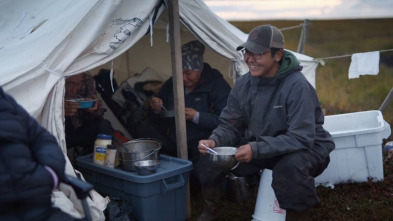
point(300, 9)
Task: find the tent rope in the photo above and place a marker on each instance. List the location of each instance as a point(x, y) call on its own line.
point(292, 27)
point(53, 72)
point(348, 55)
point(151, 29)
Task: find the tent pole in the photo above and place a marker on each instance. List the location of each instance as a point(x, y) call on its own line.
point(387, 100)
point(178, 88)
point(303, 36)
point(177, 73)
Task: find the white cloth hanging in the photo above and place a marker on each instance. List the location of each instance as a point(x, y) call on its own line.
point(364, 64)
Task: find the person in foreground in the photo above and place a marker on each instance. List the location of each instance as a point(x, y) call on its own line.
point(83, 125)
point(31, 164)
point(205, 92)
point(274, 117)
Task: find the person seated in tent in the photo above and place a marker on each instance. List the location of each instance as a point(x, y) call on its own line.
point(31, 164)
point(275, 119)
point(82, 125)
point(205, 92)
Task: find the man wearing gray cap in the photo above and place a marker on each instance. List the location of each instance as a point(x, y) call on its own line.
point(274, 117)
point(206, 93)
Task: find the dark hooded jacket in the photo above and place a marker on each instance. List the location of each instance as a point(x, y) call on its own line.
point(208, 98)
point(276, 115)
point(25, 148)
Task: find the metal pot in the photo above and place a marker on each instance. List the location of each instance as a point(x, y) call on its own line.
point(137, 150)
point(237, 188)
point(225, 157)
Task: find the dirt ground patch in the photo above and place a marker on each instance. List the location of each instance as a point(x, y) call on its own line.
point(368, 201)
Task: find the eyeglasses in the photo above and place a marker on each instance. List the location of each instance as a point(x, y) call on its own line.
point(256, 56)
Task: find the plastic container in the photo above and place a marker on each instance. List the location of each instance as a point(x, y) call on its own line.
point(110, 157)
point(84, 103)
point(266, 206)
point(100, 145)
point(358, 155)
point(159, 196)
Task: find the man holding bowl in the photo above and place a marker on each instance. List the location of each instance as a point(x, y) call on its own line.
point(274, 117)
point(83, 124)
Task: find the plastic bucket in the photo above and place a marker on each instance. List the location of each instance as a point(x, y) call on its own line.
point(267, 207)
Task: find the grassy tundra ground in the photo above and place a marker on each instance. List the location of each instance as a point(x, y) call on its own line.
point(338, 94)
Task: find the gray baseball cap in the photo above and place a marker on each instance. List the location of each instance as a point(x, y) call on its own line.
point(263, 37)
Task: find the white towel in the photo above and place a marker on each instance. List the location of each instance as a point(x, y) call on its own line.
point(364, 63)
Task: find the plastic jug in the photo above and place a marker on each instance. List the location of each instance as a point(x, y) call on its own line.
point(100, 145)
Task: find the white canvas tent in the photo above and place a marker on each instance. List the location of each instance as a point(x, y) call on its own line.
point(153, 50)
point(44, 41)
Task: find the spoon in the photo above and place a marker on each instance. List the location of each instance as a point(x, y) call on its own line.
point(162, 106)
point(209, 149)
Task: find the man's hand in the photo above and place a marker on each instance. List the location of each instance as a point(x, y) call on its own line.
point(244, 153)
point(70, 108)
point(156, 103)
point(190, 113)
point(208, 143)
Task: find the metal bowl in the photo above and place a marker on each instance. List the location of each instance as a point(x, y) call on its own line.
point(167, 114)
point(146, 167)
point(225, 157)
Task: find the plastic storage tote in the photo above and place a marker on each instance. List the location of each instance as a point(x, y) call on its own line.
point(159, 196)
point(358, 155)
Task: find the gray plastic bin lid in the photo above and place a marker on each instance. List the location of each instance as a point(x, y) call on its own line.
point(169, 166)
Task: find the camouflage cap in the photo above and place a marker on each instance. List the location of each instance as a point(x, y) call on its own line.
point(192, 55)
